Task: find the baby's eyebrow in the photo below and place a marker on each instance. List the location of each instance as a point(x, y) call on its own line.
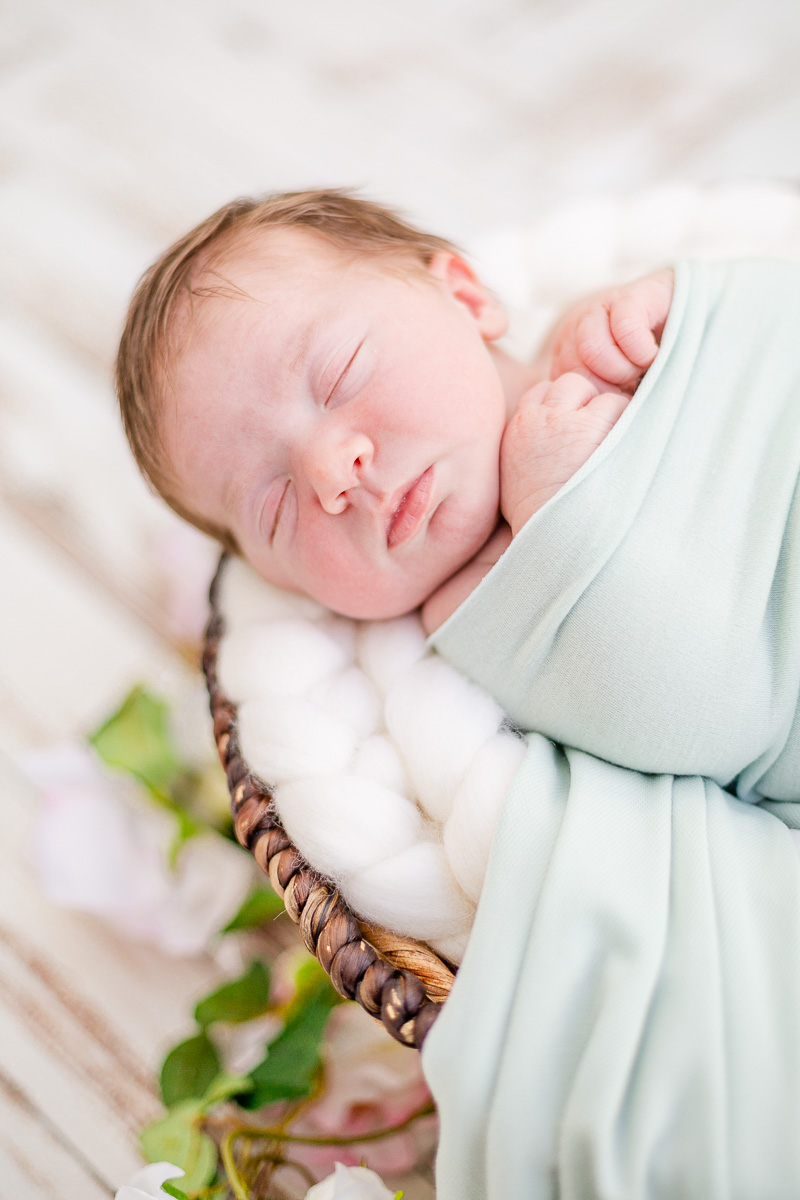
point(306, 339)
point(233, 493)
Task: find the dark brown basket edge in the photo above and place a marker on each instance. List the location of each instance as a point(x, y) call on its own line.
point(406, 1001)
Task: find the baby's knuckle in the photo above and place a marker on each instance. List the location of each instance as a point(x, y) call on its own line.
point(521, 419)
point(593, 351)
point(628, 327)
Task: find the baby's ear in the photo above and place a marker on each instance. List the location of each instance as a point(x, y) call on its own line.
point(463, 284)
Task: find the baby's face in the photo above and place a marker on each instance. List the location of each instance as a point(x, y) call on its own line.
point(342, 419)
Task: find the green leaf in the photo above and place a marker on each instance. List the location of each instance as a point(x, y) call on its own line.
point(293, 1059)
point(178, 1139)
point(225, 1086)
point(240, 1000)
point(399, 1195)
point(261, 905)
point(200, 1163)
point(136, 739)
point(310, 975)
point(310, 981)
point(189, 1070)
point(172, 1190)
point(187, 828)
point(210, 798)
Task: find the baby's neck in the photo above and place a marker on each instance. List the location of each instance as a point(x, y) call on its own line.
point(515, 376)
point(446, 599)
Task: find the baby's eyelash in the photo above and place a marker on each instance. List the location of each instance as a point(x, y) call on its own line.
point(343, 374)
point(276, 518)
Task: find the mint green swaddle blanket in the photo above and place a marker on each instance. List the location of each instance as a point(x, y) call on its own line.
point(626, 1021)
point(649, 614)
point(625, 1024)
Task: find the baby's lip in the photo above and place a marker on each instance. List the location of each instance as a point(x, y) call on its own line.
point(409, 507)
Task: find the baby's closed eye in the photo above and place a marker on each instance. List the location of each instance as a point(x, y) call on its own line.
point(337, 391)
point(272, 510)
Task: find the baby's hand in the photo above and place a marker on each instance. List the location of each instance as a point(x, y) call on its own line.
point(614, 335)
point(555, 428)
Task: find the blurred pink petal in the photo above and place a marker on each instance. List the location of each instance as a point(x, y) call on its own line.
point(103, 848)
point(371, 1083)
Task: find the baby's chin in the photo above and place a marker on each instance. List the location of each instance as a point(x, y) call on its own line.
point(368, 599)
point(380, 600)
point(380, 607)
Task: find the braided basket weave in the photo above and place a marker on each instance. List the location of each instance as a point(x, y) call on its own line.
point(397, 980)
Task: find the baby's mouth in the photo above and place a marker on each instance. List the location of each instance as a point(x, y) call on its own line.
point(409, 514)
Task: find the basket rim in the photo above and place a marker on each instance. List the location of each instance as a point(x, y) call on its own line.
point(399, 981)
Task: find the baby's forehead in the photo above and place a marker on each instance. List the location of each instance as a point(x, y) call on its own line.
point(278, 255)
point(258, 267)
point(277, 270)
point(260, 275)
point(297, 258)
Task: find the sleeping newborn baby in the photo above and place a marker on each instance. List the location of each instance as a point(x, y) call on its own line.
point(319, 386)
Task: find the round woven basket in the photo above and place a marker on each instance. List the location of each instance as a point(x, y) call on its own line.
point(399, 981)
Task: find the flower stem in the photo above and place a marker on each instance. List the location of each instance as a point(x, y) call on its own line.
point(239, 1186)
point(278, 1135)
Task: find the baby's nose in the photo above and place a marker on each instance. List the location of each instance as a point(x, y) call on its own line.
point(335, 470)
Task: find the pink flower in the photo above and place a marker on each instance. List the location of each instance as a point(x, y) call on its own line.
point(103, 848)
point(371, 1083)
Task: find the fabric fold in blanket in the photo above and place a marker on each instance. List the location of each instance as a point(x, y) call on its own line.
point(649, 614)
point(625, 1021)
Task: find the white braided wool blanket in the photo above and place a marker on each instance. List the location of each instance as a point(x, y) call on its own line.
point(389, 767)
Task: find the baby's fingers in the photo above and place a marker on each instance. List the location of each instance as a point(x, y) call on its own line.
point(568, 392)
point(608, 407)
point(637, 315)
point(630, 326)
point(598, 350)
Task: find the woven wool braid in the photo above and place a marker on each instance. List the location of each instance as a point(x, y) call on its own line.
point(387, 767)
point(394, 979)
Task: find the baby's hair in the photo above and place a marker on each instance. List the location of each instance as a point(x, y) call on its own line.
point(147, 347)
